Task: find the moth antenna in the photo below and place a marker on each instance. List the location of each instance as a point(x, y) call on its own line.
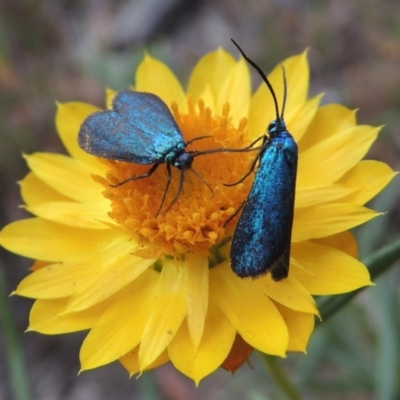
point(284, 91)
point(263, 76)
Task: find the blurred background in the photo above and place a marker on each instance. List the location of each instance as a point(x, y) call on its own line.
point(72, 49)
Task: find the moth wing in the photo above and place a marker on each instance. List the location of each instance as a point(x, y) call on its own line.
point(262, 239)
point(150, 116)
point(106, 134)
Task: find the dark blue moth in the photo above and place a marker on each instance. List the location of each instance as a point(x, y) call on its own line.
point(141, 130)
point(262, 239)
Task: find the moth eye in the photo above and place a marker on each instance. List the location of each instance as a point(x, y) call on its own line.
point(272, 126)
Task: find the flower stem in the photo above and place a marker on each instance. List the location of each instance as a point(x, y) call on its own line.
point(274, 366)
point(377, 263)
point(15, 357)
point(387, 341)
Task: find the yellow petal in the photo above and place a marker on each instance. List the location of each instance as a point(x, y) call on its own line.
point(299, 118)
point(121, 270)
point(287, 292)
point(110, 94)
point(38, 264)
point(35, 192)
point(298, 78)
point(236, 91)
point(56, 280)
point(332, 156)
point(69, 119)
point(343, 241)
point(42, 240)
point(328, 219)
point(261, 112)
point(300, 326)
point(69, 278)
point(325, 270)
point(45, 317)
point(213, 349)
point(211, 71)
point(368, 177)
point(309, 196)
point(167, 315)
point(208, 99)
point(121, 326)
point(249, 310)
point(297, 71)
point(196, 278)
point(154, 76)
point(80, 215)
point(262, 108)
point(67, 176)
point(131, 361)
point(329, 120)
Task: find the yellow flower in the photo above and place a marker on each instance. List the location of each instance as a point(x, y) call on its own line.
point(157, 289)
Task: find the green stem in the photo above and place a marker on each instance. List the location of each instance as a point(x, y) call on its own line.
point(148, 386)
point(387, 342)
point(274, 366)
point(15, 356)
point(377, 263)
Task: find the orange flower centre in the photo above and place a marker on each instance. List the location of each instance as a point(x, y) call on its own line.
point(196, 222)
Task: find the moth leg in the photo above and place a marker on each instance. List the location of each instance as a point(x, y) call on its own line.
point(180, 189)
point(254, 163)
point(203, 180)
point(166, 190)
point(137, 177)
point(234, 215)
